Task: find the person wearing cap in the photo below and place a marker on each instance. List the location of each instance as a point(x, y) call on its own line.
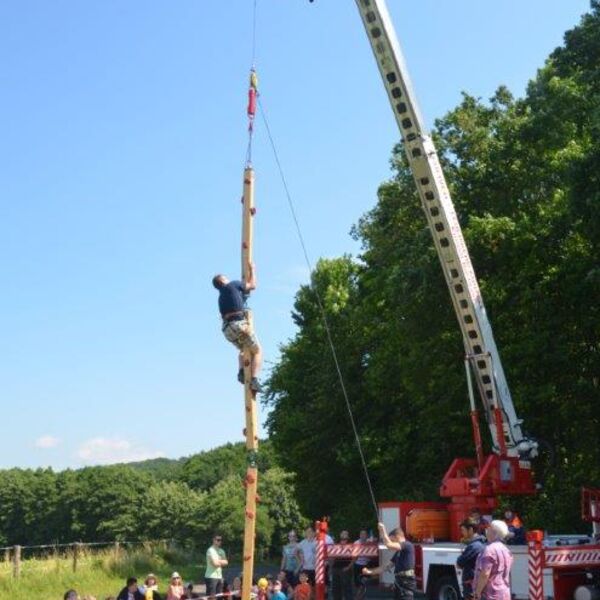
point(215, 561)
point(492, 569)
point(236, 326)
point(175, 591)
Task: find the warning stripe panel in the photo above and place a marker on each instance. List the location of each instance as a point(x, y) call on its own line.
point(352, 550)
point(564, 557)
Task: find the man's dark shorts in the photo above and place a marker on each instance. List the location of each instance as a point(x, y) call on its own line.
point(404, 588)
point(311, 576)
point(213, 586)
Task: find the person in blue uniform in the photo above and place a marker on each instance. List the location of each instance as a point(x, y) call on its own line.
point(474, 544)
point(403, 563)
point(236, 327)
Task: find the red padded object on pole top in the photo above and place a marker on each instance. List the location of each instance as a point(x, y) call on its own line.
point(251, 103)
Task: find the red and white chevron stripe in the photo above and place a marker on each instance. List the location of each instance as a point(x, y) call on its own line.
point(564, 557)
point(320, 562)
point(536, 576)
point(352, 550)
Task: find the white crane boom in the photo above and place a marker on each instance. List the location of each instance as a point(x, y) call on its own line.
point(478, 338)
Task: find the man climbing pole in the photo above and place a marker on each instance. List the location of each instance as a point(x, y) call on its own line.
point(236, 327)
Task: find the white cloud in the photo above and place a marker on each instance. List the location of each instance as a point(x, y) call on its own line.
point(105, 451)
point(47, 441)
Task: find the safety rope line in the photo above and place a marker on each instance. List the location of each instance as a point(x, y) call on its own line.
point(321, 307)
point(254, 11)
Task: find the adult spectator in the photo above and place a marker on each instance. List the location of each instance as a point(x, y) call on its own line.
point(492, 569)
point(150, 588)
point(481, 521)
point(360, 563)
point(290, 558)
point(474, 544)
point(130, 591)
point(308, 554)
point(341, 572)
point(403, 563)
point(236, 587)
point(215, 561)
point(516, 531)
point(175, 591)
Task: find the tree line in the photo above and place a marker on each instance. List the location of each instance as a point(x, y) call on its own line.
point(185, 500)
point(525, 178)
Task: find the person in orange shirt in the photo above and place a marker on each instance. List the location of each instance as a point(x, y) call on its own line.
point(516, 531)
point(303, 591)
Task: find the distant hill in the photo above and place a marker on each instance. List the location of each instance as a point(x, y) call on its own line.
point(164, 469)
point(205, 469)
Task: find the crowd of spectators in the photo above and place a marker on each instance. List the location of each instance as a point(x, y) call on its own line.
point(346, 577)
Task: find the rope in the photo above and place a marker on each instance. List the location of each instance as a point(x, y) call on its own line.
point(321, 308)
point(254, 33)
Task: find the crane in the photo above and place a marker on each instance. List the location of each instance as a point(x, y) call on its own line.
point(508, 469)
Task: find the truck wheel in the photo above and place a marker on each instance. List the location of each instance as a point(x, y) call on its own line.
point(445, 588)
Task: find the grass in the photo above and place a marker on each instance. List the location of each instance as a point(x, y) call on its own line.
point(99, 574)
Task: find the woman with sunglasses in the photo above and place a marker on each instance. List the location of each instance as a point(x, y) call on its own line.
point(175, 591)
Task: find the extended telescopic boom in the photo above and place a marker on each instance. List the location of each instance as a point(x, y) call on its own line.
point(480, 347)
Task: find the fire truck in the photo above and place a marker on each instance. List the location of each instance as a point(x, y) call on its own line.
point(556, 566)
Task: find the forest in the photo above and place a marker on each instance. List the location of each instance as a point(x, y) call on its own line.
point(184, 500)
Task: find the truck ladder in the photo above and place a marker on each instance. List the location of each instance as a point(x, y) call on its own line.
point(480, 347)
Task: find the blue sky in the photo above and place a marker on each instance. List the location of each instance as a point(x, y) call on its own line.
point(122, 139)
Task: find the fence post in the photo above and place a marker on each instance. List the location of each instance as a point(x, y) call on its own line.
point(16, 561)
point(75, 555)
point(117, 551)
point(6, 555)
point(55, 553)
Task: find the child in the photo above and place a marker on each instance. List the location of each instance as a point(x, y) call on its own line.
point(277, 592)
point(286, 587)
point(263, 585)
point(303, 590)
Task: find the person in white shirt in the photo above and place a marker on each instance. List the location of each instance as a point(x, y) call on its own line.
point(308, 551)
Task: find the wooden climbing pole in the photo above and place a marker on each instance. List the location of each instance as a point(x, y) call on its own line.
point(251, 480)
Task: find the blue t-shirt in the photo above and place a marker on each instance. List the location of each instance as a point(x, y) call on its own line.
point(404, 559)
point(232, 297)
point(278, 596)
